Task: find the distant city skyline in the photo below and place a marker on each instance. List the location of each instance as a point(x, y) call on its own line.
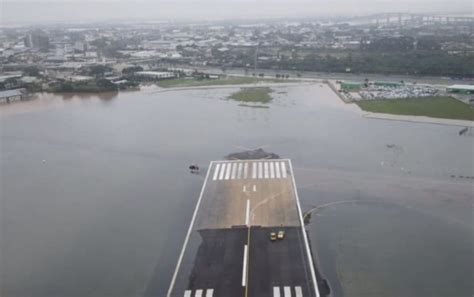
point(44, 11)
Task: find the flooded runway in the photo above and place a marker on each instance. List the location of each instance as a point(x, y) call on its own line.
point(96, 196)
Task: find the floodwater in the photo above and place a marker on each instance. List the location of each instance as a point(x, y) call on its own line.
point(96, 197)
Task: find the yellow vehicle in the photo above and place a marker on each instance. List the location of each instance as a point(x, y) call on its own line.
point(273, 236)
point(281, 234)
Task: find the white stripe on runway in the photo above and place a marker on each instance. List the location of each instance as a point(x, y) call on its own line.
point(277, 169)
point(221, 174)
point(239, 171)
point(265, 165)
point(260, 170)
point(198, 293)
point(247, 213)
point(187, 293)
point(216, 172)
point(276, 291)
point(209, 292)
point(272, 170)
point(287, 291)
point(298, 292)
point(227, 171)
point(244, 269)
point(234, 170)
point(254, 170)
point(246, 169)
point(283, 169)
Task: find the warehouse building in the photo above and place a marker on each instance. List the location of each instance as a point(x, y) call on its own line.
point(461, 89)
point(352, 85)
point(154, 75)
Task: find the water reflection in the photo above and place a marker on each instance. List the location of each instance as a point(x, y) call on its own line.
point(110, 205)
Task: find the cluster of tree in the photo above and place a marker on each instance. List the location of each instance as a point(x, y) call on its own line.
point(31, 71)
point(390, 44)
point(402, 44)
point(434, 63)
point(132, 69)
point(100, 85)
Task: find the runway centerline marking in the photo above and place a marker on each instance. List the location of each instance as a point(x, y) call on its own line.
point(244, 269)
point(247, 213)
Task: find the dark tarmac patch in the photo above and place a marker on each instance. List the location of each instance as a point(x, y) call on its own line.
point(252, 155)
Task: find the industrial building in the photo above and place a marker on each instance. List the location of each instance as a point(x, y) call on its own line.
point(154, 75)
point(352, 85)
point(12, 95)
point(461, 89)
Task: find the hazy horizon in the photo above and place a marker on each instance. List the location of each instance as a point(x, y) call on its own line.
point(41, 11)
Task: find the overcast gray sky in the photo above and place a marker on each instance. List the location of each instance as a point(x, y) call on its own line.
point(38, 11)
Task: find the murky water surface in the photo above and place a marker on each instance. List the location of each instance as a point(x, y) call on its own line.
point(96, 197)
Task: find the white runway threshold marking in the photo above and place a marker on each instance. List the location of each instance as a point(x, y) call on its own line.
point(216, 172)
point(198, 293)
point(259, 170)
point(239, 171)
point(277, 169)
point(221, 174)
point(283, 169)
point(244, 269)
point(287, 291)
point(298, 292)
point(209, 292)
point(227, 171)
point(234, 169)
point(276, 291)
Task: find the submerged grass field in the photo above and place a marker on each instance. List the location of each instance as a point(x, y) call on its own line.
point(436, 107)
point(231, 80)
point(255, 95)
